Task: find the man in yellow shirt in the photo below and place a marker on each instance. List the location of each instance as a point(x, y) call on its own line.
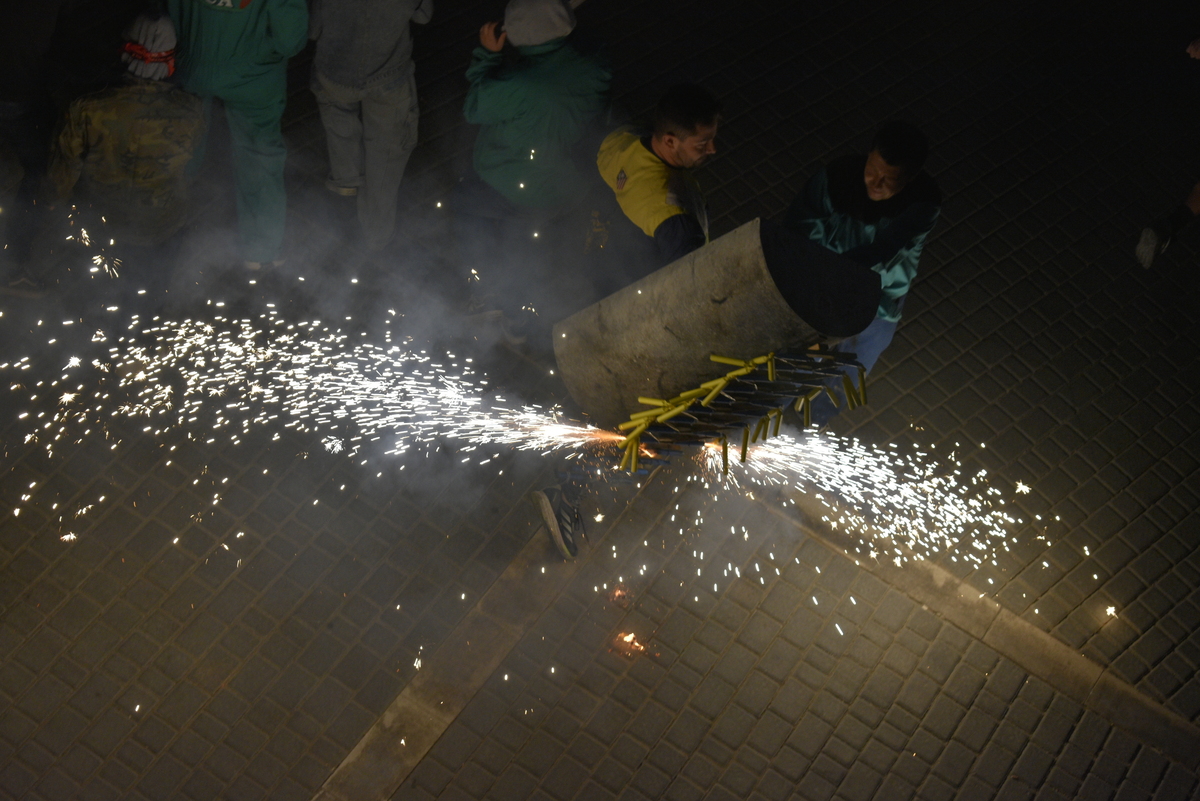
point(650, 171)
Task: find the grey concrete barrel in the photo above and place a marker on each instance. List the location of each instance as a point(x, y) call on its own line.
point(758, 289)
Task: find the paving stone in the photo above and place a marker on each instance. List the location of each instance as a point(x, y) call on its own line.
point(650, 781)
point(954, 764)
point(564, 779)
point(964, 684)
point(900, 660)
point(939, 662)
point(756, 693)
point(847, 681)
point(769, 734)
point(912, 642)
point(791, 700)
point(608, 722)
point(735, 665)
point(894, 786)
point(883, 687)
point(917, 694)
point(810, 735)
point(1032, 765)
point(758, 633)
point(802, 628)
point(1005, 681)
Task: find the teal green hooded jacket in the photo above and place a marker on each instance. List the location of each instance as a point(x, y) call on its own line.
point(532, 112)
point(237, 47)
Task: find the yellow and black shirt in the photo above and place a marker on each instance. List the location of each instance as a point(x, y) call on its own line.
point(665, 202)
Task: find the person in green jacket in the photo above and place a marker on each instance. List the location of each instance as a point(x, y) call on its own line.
point(533, 110)
point(237, 51)
point(518, 214)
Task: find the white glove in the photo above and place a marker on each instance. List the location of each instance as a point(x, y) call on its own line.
point(156, 71)
point(156, 34)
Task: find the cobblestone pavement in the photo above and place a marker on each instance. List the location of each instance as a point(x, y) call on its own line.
point(227, 666)
point(804, 677)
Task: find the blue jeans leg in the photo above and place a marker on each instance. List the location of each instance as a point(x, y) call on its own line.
point(867, 346)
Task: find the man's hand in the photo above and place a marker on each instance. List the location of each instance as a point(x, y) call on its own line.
point(1193, 49)
point(489, 39)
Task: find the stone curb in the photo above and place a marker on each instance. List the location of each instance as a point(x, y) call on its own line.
point(1041, 654)
point(451, 676)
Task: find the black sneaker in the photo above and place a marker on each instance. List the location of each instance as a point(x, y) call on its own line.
point(561, 518)
point(1151, 246)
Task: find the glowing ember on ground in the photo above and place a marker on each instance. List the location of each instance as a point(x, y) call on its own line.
point(628, 644)
point(621, 596)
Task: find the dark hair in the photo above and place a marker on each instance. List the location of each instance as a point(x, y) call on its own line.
point(902, 145)
point(684, 108)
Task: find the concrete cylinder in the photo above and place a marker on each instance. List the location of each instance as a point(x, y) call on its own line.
point(759, 289)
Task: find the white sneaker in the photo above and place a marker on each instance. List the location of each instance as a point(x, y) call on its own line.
point(1150, 246)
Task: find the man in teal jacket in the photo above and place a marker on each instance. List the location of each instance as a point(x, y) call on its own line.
point(878, 210)
point(237, 51)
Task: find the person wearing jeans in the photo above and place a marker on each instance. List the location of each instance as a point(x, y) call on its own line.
point(366, 90)
point(877, 209)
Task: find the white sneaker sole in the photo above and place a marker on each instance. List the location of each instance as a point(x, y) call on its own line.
point(1147, 248)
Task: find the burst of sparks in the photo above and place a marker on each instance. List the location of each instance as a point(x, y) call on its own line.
point(885, 497)
point(305, 377)
point(225, 377)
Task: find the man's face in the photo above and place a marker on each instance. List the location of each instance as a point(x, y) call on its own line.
point(882, 179)
point(693, 150)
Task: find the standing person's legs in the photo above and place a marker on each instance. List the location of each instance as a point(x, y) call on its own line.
point(259, 154)
point(389, 120)
point(341, 109)
point(479, 222)
point(869, 344)
point(26, 129)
